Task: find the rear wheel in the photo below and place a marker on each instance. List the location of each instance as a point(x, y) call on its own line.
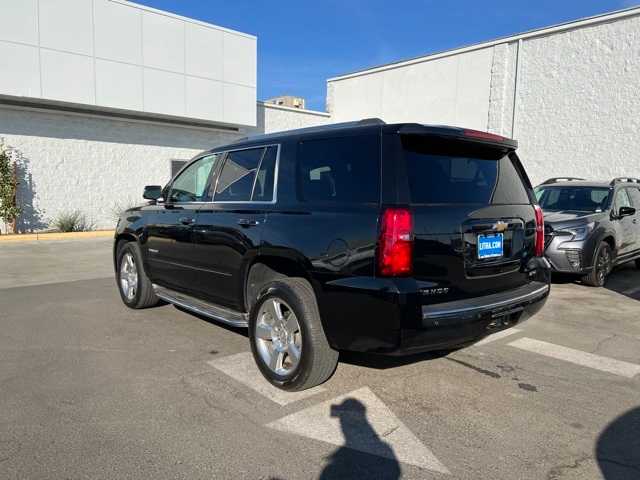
point(134, 286)
point(601, 267)
point(287, 338)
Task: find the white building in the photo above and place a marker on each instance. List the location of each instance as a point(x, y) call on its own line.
point(101, 97)
point(570, 94)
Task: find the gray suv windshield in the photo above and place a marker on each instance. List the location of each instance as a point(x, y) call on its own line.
point(583, 199)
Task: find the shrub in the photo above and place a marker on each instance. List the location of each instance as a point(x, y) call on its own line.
point(73, 221)
point(9, 209)
point(120, 207)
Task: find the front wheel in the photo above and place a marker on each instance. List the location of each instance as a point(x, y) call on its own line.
point(135, 288)
point(287, 338)
point(601, 268)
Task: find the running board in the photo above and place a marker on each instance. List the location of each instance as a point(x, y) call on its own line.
point(230, 317)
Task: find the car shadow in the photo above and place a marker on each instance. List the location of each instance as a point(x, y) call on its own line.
point(383, 362)
point(618, 447)
point(239, 330)
point(624, 279)
point(346, 462)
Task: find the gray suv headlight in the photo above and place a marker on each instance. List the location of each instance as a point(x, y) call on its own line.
point(578, 233)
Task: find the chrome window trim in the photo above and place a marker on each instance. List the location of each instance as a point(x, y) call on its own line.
point(275, 176)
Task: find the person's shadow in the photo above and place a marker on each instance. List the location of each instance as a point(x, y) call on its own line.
point(346, 462)
point(618, 448)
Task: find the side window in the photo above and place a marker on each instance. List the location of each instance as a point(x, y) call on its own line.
point(622, 199)
point(635, 197)
point(191, 184)
point(235, 182)
point(263, 188)
point(339, 170)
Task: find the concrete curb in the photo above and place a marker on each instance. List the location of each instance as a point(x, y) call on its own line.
point(32, 237)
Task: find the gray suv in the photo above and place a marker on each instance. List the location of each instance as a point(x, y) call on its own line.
point(590, 227)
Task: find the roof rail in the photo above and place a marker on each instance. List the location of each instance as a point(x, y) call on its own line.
point(317, 128)
point(624, 179)
point(557, 179)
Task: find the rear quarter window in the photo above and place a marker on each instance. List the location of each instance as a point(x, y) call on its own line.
point(343, 170)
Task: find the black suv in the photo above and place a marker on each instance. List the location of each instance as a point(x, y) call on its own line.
point(361, 236)
point(590, 227)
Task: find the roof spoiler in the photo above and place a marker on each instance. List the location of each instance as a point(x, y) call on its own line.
point(624, 179)
point(561, 179)
point(461, 133)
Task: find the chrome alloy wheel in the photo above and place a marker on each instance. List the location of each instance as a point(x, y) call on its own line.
point(603, 265)
point(128, 276)
point(278, 336)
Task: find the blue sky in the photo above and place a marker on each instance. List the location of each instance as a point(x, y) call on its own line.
point(302, 43)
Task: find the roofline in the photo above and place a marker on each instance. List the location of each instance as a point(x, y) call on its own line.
point(561, 27)
point(292, 109)
point(180, 17)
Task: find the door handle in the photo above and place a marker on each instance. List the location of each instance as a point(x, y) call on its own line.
point(187, 220)
point(245, 222)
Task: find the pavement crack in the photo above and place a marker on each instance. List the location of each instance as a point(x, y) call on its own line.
point(390, 431)
point(603, 341)
point(558, 472)
point(483, 371)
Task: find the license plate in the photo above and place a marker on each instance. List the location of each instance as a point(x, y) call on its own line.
point(490, 246)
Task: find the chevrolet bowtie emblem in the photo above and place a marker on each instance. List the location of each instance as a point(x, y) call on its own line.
point(500, 226)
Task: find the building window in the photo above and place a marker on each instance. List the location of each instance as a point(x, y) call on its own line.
point(176, 165)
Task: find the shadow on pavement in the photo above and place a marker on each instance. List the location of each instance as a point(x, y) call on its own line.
point(346, 462)
point(624, 279)
point(618, 447)
point(382, 362)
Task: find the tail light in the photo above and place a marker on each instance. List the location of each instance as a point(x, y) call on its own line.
point(395, 254)
point(539, 245)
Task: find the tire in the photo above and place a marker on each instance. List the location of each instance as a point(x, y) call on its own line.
point(274, 333)
point(602, 266)
point(142, 294)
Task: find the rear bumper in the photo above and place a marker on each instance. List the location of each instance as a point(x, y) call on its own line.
point(393, 316)
point(457, 324)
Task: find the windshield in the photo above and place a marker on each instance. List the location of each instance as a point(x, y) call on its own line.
point(583, 199)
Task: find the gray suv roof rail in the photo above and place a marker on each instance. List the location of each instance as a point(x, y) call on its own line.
point(624, 179)
point(559, 179)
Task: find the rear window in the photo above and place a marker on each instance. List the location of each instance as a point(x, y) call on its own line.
point(339, 170)
point(460, 172)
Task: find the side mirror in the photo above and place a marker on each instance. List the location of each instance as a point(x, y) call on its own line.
point(152, 192)
point(626, 211)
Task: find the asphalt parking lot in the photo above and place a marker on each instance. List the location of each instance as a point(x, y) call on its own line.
point(91, 389)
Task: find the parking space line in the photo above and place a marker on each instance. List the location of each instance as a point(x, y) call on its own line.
point(498, 336)
point(361, 421)
point(242, 368)
point(578, 357)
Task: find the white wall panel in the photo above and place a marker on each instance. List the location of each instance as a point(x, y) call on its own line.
point(239, 104)
point(119, 85)
point(66, 25)
point(163, 42)
point(239, 59)
point(20, 70)
point(204, 98)
point(450, 90)
point(164, 92)
point(67, 77)
point(95, 52)
point(204, 51)
point(118, 32)
point(19, 21)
